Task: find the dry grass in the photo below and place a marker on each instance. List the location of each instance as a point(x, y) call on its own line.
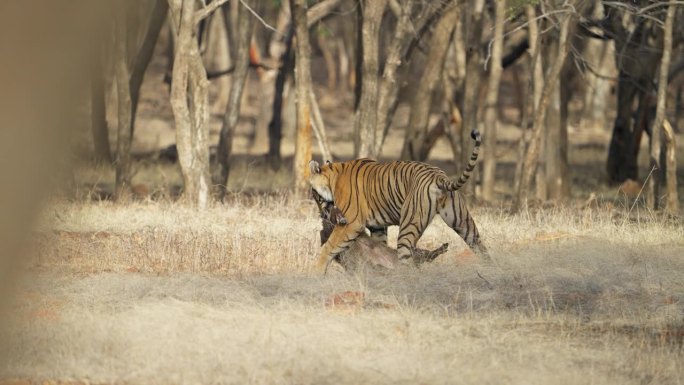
point(159, 293)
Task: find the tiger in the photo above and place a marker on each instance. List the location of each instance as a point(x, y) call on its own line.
point(404, 193)
point(365, 249)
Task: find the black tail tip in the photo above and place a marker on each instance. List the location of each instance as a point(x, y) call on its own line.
point(475, 134)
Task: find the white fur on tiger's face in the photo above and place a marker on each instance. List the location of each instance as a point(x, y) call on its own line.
point(320, 180)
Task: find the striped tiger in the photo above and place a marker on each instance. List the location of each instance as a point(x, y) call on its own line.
point(404, 193)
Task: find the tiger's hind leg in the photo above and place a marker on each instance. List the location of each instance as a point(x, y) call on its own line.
point(453, 210)
point(416, 214)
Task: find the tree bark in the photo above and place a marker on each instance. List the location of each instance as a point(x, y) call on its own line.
point(275, 128)
point(672, 200)
point(474, 28)
point(303, 92)
point(232, 114)
point(534, 89)
point(416, 144)
point(366, 110)
point(652, 197)
point(491, 117)
point(189, 101)
point(144, 55)
point(637, 62)
point(123, 144)
point(552, 75)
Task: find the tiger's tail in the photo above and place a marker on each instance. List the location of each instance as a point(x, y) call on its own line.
point(449, 185)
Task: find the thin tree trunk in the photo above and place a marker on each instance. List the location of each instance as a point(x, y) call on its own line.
point(328, 50)
point(535, 85)
point(219, 55)
point(276, 49)
point(366, 107)
point(532, 154)
point(388, 86)
point(232, 114)
point(672, 201)
point(416, 146)
point(144, 56)
point(491, 117)
point(406, 36)
point(123, 144)
point(319, 128)
point(97, 112)
point(190, 111)
point(275, 128)
point(303, 92)
point(474, 28)
point(654, 182)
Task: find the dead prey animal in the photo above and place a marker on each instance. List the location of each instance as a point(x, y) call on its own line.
point(365, 251)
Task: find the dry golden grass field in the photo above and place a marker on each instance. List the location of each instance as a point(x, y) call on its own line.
point(154, 292)
point(148, 291)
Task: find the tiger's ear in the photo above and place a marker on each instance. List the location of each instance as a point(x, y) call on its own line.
point(314, 167)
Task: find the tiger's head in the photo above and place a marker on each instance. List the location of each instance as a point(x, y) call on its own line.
point(322, 179)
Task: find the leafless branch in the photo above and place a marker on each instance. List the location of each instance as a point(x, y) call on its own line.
point(208, 10)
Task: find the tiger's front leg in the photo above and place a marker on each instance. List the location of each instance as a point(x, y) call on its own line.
point(342, 236)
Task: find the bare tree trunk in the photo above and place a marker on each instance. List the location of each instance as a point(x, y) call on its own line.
point(303, 90)
point(532, 153)
point(190, 111)
point(232, 114)
point(275, 128)
point(328, 50)
point(367, 112)
point(654, 182)
point(415, 143)
point(219, 57)
point(491, 117)
point(97, 111)
point(276, 50)
point(474, 28)
point(406, 35)
point(389, 82)
point(123, 145)
point(144, 55)
point(319, 128)
point(453, 119)
point(672, 202)
point(534, 89)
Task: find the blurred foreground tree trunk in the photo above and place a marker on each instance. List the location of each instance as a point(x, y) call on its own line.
point(190, 104)
point(232, 114)
point(303, 92)
point(491, 118)
point(653, 191)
